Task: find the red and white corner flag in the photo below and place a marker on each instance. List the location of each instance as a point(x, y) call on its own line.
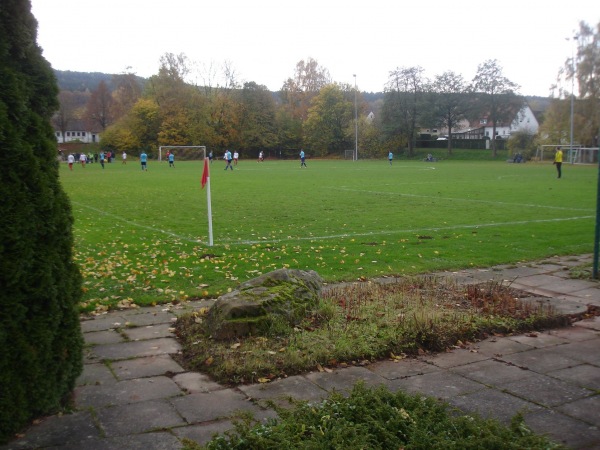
point(205, 173)
point(206, 181)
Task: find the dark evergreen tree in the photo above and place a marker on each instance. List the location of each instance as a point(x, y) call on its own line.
point(40, 285)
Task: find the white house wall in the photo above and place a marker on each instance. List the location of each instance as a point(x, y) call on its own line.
point(86, 137)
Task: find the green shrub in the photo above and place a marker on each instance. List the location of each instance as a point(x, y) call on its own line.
point(40, 337)
point(376, 419)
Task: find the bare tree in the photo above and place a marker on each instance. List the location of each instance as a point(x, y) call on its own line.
point(450, 101)
point(66, 113)
point(406, 89)
point(98, 110)
point(496, 96)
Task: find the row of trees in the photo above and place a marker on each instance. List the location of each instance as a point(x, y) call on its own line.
point(312, 112)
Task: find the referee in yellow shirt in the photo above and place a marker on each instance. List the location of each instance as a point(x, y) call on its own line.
point(558, 156)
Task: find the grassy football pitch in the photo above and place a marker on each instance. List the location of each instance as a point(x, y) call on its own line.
point(143, 236)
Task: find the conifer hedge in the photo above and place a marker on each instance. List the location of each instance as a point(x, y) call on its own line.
point(40, 286)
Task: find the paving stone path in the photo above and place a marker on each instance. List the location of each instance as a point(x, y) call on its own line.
point(133, 394)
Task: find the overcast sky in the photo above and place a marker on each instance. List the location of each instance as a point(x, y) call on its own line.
point(264, 39)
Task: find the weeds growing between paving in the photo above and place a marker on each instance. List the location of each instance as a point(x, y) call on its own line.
point(376, 419)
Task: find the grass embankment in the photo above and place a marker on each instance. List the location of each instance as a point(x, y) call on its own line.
point(141, 237)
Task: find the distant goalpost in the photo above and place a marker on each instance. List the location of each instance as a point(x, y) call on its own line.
point(575, 155)
point(349, 154)
point(195, 153)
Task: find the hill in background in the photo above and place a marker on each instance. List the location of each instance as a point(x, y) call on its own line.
point(85, 81)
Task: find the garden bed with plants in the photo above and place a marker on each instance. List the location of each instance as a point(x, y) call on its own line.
point(358, 323)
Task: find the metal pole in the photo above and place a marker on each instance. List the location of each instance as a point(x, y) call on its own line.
point(597, 234)
point(355, 122)
point(571, 155)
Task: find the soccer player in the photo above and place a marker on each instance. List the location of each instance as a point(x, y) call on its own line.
point(302, 159)
point(82, 159)
point(71, 160)
point(236, 155)
point(124, 158)
point(228, 158)
point(171, 159)
point(390, 157)
point(144, 160)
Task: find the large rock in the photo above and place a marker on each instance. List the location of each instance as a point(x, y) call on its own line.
point(262, 303)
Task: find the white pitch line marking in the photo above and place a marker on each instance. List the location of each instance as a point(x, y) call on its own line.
point(491, 202)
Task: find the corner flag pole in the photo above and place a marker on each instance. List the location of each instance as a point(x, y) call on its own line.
point(206, 181)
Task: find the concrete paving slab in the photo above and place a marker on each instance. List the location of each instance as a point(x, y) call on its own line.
point(149, 331)
point(443, 385)
point(589, 296)
point(103, 337)
point(497, 347)
point(134, 349)
point(392, 370)
point(154, 318)
point(539, 340)
point(493, 404)
point(192, 382)
point(342, 380)
point(575, 333)
point(128, 391)
point(542, 360)
point(586, 351)
point(518, 272)
point(145, 441)
point(541, 280)
point(563, 429)
point(95, 374)
point(203, 407)
point(139, 417)
point(584, 375)
point(491, 372)
point(297, 387)
point(57, 430)
point(149, 366)
point(592, 323)
point(585, 409)
point(453, 358)
point(545, 391)
point(101, 323)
